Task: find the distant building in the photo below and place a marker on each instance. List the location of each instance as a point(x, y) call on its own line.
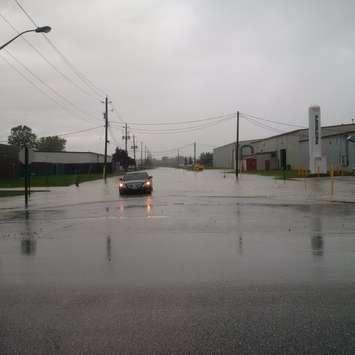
point(9, 163)
point(55, 163)
point(51, 163)
point(290, 150)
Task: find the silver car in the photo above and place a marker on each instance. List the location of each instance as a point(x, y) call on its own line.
point(136, 182)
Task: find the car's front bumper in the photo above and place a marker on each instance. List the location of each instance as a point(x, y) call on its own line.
point(140, 190)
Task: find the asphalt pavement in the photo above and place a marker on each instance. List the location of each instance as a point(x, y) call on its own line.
point(206, 264)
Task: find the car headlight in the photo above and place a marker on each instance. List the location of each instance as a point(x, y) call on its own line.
point(121, 184)
point(147, 183)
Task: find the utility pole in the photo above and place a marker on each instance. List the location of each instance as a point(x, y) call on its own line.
point(141, 155)
point(237, 149)
point(145, 153)
point(178, 158)
point(106, 140)
point(125, 137)
point(134, 147)
point(194, 153)
point(26, 176)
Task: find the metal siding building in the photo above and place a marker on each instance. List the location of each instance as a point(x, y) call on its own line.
point(291, 149)
point(51, 163)
point(223, 157)
point(69, 157)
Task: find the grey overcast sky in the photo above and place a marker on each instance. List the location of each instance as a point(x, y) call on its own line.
point(166, 60)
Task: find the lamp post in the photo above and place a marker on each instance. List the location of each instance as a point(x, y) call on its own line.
point(44, 29)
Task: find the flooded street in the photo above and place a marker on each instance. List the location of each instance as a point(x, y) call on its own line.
point(204, 264)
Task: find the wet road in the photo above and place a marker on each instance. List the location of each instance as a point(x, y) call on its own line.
point(204, 265)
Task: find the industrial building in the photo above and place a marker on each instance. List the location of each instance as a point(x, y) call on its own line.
point(290, 150)
point(9, 163)
point(50, 163)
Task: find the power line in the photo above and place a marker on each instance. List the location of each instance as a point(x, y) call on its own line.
point(37, 87)
point(175, 130)
point(272, 121)
point(79, 74)
point(78, 131)
point(113, 136)
point(54, 91)
point(172, 149)
point(58, 71)
point(115, 110)
point(228, 115)
point(262, 125)
point(70, 133)
point(26, 13)
point(181, 130)
point(178, 129)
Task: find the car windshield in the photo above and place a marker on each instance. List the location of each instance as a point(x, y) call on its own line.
point(136, 176)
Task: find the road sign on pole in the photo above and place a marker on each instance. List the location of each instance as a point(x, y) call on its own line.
point(22, 155)
point(26, 157)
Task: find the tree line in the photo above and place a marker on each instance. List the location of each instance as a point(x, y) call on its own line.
point(21, 136)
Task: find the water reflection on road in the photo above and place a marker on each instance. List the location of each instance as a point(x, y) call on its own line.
point(194, 228)
point(316, 234)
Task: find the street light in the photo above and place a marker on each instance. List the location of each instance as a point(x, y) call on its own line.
point(44, 29)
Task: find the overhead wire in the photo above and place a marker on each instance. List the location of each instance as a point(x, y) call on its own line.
point(26, 13)
point(251, 118)
point(77, 132)
point(43, 92)
point(272, 121)
point(83, 78)
point(54, 91)
point(181, 130)
point(115, 111)
point(98, 92)
point(174, 129)
point(76, 71)
point(262, 125)
point(33, 83)
point(172, 149)
point(69, 133)
point(45, 58)
point(228, 115)
point(113, 136)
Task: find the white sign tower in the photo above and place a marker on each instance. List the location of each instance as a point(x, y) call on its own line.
point(317, 162)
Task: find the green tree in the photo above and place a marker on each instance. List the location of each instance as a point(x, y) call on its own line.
point(206, 159)
point(51, 144)
point(121, 157)
point(21, 136)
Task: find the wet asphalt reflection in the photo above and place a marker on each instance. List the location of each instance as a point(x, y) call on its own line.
point(204, 264)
